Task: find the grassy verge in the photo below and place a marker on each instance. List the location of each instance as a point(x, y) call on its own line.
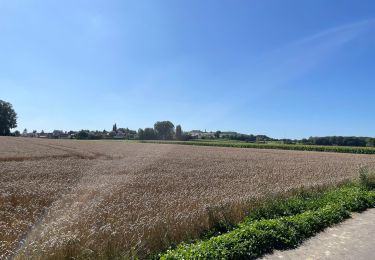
point(282, 224)
point(296, 147)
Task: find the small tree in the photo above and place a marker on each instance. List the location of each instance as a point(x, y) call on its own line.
point(164, 130)
point(141, 135)
point(114, 128)
point(83, 134)
point(8, 118)
point(217, 134)
point(178, 132)
point(149, 134)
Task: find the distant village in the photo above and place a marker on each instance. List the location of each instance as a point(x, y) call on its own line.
point(120, 133)
point(60, 134)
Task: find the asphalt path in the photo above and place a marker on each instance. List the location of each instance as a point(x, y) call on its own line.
point(352, 239)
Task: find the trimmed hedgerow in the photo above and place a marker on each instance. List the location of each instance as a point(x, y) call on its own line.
point(280, 225)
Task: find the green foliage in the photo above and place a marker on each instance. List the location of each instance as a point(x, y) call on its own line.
point(146, 134)
point(17, 133)
point(367, 178)
point(371, 142)
point(279, 225)
point(297, 147)
point(141, 134)
point(164, 130)
point(178, 132)
point(340, 141)
point(8, 118)
point(218, 229)
point(149, 134)
point(83, 134)
point(350, 196)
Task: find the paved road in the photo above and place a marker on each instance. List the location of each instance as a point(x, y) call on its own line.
point(352, 239)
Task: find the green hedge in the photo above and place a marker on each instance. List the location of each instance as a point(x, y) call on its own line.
point(280, 225)
point(296, 147)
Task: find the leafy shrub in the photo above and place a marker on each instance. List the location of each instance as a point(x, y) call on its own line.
point(367, 178)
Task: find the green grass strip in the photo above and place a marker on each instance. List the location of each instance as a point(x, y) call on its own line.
point(295, 147)
point(280, 225)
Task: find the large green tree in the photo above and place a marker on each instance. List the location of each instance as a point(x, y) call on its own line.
point(8, 118)
point(164, 130)
point(141, 134)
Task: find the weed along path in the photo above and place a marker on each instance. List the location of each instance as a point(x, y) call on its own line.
point(352, 239)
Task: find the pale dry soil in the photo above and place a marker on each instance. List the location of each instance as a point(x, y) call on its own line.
point(352, 239)
point(63, 198)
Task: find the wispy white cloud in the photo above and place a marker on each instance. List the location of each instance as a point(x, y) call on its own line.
point(352, 28)
point(278, 67)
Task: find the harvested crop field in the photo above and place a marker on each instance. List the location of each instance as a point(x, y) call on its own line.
point(63, 198)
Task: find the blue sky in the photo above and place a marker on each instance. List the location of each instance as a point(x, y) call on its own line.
point(282, 68)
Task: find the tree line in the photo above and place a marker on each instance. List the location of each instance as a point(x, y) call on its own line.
point(340, 141)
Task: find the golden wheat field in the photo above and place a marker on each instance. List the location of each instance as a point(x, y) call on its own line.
point(101, 199)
